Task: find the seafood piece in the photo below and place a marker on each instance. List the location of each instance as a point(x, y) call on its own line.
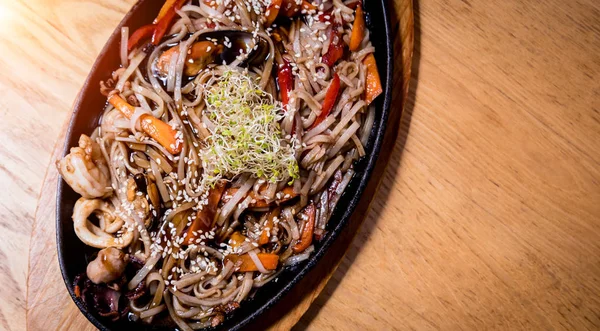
point(108, 265)
point(199, 55)
point(224, 46)
point(255, 49)
point(91, 234)
point(85, 169)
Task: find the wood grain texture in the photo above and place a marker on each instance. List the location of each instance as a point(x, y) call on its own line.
point(490, 218)
point(47, 49)
point(488, 215)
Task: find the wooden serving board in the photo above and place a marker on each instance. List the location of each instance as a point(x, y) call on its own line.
point(49, 306)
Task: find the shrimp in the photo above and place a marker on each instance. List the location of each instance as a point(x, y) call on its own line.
point(95, 236)
point(85, 170)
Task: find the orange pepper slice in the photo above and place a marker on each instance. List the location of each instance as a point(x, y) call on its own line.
point(358, 29)
point(308, 230)
point(373, 85)
point(245, 263)
point(160, 131)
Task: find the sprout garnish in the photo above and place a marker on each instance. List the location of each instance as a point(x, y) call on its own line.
point(245, 136)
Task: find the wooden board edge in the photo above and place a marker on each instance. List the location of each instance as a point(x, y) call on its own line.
point(44, 268)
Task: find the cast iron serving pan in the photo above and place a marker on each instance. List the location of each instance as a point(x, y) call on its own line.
point(73, 255)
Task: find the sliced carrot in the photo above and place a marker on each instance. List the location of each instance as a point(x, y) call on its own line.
point(286, 194)
point(164, 9)
point(160, 131)
point(307, 230)
point(358, 29)
point(329, 101)
point(269, 224)
point(272, 12)
point(245, 263)
point(122, 105)
point(205, 216)
point(236, 239)
point(373, 85)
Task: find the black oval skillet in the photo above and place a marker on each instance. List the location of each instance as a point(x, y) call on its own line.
point(73, 255)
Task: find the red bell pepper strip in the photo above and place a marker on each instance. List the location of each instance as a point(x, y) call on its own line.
point(308, 229)
point(325, 16)
point(165, 22)
point(336, 47)
point(140, 34)
point(329, 102)
point(159, 27)
point(285, 80)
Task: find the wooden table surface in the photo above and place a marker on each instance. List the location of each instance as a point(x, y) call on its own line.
point(489, 212)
